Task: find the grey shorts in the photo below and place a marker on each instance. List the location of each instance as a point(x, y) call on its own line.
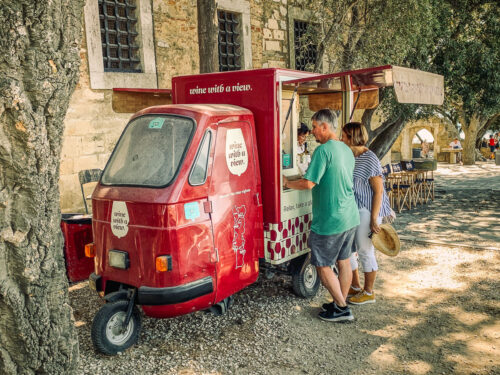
point(327, 249)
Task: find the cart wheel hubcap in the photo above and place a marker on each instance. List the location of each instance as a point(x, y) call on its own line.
point(310, 276)
point(115, 332)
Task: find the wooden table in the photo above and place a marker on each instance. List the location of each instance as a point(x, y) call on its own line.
point(452, 154)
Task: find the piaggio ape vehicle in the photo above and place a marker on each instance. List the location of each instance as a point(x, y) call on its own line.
point(191, 202)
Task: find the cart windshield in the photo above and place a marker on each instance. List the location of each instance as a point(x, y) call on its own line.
point(149, 151)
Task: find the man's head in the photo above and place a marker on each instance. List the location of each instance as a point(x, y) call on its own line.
point(324, 125)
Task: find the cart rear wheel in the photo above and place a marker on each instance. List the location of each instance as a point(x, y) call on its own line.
point(305, 278)
point(222, 307)
point(108, 334)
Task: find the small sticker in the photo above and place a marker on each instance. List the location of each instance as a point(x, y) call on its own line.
point(191, 210)
point(286, 160)
point(156, 123)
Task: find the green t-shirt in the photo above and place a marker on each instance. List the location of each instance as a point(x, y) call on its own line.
point(333, 204)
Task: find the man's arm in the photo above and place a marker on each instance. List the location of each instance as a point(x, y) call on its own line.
point(301, 184)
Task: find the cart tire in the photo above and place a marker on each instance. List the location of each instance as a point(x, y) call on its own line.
point(106, 333)
point(222, 307)
point(305, 278)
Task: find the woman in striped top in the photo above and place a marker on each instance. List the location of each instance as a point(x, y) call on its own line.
point(373, 206)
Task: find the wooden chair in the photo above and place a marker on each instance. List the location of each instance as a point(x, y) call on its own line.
point(402, 184)
point(428, 185)
point(87, 176)
point(418, 182)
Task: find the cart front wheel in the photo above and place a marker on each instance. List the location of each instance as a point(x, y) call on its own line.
point(305, 278)
point(109, 335)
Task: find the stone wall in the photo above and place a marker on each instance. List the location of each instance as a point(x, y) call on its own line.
point(90, 134)
point(176, 39)
point(274, 33)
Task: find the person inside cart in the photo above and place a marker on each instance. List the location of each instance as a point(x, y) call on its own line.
point(335, 212)
point(303, 156)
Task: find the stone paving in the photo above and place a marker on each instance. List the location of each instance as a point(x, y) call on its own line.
point(465, 212)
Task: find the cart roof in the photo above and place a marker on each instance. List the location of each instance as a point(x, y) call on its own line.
point(410, 85)
point(206, 109)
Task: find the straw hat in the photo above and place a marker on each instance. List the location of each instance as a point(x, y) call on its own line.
point(387, 240)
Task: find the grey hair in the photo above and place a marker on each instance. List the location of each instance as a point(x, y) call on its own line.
point(327, 116)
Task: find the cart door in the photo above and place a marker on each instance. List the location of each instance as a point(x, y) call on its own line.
point(236, 210)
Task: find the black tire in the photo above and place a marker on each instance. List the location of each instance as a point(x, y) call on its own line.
point(222, 307)
point(305, 278)
point(106, 327)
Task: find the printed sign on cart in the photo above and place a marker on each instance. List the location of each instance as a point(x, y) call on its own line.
point(119, 219)
point(236, 152)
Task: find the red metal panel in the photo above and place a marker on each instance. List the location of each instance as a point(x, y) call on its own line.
point(237, 219)
point(256, 90)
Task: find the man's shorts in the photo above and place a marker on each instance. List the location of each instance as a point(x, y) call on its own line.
point(327, 249)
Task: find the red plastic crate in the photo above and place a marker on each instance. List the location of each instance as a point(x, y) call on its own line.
point(77, 231)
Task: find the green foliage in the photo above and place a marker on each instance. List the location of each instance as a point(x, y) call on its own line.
point(468, 56)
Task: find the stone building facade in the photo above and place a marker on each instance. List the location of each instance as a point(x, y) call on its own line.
point(167, 36)
point(167, 46)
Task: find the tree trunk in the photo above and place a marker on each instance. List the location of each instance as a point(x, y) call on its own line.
point(39, 68)
point(384, 141)
point(208, 36)
point(469, 145)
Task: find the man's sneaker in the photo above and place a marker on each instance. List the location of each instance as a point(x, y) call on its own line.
point(361, 298)
point(336, 314)
point(328, 306)
point(352, 292)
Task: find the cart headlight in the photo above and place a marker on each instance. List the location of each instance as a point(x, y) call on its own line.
point(118, 259)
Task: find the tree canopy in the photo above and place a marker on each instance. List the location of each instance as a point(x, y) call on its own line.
point(456, 38)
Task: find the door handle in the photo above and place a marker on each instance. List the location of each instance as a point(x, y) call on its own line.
point(257, 199)
point(207, 207)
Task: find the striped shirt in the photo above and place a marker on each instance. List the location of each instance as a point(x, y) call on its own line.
point(366, 166)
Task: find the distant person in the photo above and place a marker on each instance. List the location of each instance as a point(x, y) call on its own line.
point(303, 155)
point(373, 205)
point(456, 145)
point(425, 149)
point(497, 140)
point(335, 213)
point(493, 146)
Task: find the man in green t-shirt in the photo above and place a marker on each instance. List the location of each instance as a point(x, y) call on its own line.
point(335, 212)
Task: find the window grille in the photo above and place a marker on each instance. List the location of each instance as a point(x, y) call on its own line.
point(305, 48)
point(229, 41)
point(120, 50)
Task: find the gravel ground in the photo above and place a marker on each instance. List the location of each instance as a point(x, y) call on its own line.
point(436, 313)
point(437, 309)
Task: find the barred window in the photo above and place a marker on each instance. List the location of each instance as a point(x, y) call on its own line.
point(229, 41)
point(305, 47)
point(120, 49)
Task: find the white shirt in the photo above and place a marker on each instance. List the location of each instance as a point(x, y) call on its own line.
point(455, 145)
